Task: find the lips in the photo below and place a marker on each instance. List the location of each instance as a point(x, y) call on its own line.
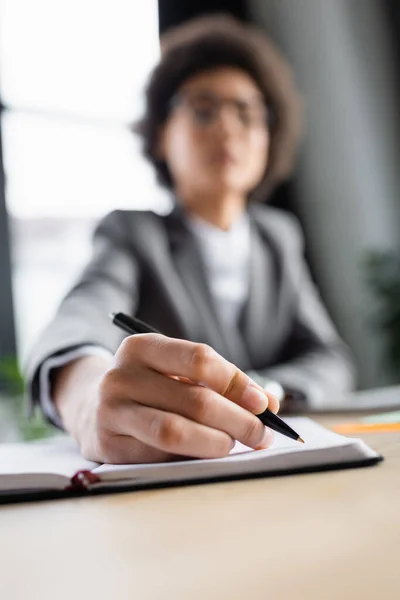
point(224, 157)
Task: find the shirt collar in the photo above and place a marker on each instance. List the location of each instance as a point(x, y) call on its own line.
point(203, 229)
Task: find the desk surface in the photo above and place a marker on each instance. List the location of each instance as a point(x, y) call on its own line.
point(215, 541)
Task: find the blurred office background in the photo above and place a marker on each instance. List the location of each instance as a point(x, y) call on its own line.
point(71, 81)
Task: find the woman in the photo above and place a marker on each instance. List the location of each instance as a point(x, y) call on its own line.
point(221, 276)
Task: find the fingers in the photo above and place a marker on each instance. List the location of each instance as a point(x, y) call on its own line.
point(176, 434)
point(196, 403)
point(198, 363)
point(113, 448)
point(165, 397)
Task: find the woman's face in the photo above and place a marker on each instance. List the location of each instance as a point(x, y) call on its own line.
point(215, 141)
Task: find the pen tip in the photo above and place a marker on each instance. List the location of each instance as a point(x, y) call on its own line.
point(299, 439)
point(112, 315)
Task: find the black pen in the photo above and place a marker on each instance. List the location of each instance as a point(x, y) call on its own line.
point(133, 325)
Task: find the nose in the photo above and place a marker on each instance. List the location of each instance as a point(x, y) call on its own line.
point(227, 123)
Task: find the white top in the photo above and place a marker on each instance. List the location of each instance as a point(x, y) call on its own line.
point(226, 257)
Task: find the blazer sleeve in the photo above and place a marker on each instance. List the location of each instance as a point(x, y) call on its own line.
point(109, 283)
point(314, 360)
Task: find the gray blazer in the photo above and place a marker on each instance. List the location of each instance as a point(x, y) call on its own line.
point(149, 265)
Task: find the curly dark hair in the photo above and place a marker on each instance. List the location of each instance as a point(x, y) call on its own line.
point(210, 42)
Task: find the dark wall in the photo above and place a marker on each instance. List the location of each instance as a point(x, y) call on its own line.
point(173, 12)
point(392, 9)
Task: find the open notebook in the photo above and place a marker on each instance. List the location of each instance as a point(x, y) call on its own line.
point(57, 466)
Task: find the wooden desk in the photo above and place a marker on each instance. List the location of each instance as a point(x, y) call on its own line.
point(219, 541)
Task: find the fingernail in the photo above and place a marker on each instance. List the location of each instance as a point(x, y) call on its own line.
point(268, 439)
point(254, 400)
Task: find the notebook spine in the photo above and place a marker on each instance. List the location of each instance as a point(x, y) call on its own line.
point(82, 480)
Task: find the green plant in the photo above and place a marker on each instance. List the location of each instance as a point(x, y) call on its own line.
point(13, 386)
point(11, 380)
point(382, 274)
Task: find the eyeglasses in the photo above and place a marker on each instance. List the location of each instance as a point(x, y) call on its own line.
point(205, 110)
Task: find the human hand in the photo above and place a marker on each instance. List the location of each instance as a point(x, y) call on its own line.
point(162, 397)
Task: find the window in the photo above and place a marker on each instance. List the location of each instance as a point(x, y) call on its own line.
point(72, 78)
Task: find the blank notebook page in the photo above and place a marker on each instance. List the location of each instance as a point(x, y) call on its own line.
point(321, 447)
point(314, 435)
point(45, 464)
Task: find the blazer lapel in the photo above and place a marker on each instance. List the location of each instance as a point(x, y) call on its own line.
point(152, 243)
point(255, 322)
point(206, 326)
